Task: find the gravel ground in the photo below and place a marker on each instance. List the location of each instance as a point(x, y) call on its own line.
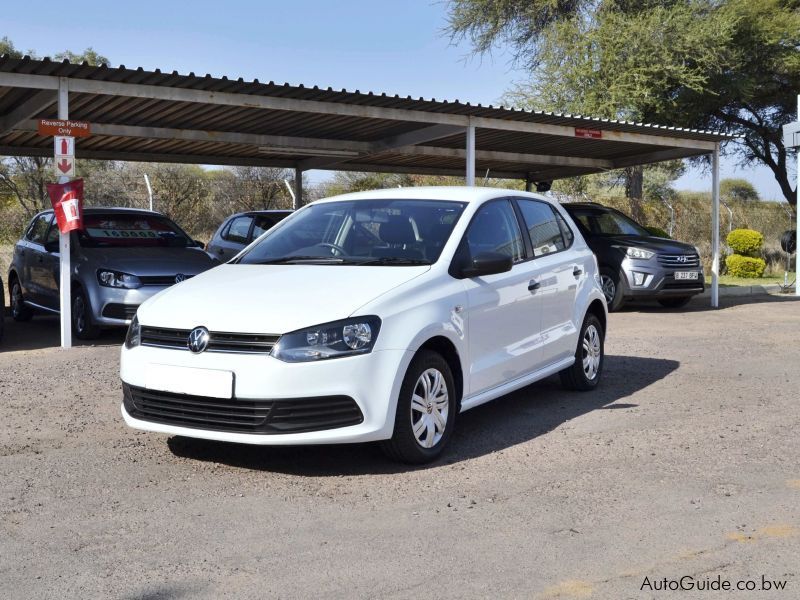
point(684, 462)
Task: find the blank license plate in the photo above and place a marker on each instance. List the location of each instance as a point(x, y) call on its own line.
point(686, 275)
point(189, 380)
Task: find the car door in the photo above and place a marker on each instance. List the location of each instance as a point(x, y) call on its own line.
point(557, 272)
point(503, 315)
point(51, 268)
point(34, 275)
point(233, 237)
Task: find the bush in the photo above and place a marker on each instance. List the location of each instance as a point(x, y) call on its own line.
point(745, 242)
point(658, 232)
point(745, 266)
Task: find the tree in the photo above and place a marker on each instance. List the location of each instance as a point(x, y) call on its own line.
point(732, 65)
point(737, 189)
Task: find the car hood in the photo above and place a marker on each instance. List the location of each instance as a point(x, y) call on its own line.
point(656, 244)
point(271, 299)
point(150, 261)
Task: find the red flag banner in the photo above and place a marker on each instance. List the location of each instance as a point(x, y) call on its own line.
point(67, 201)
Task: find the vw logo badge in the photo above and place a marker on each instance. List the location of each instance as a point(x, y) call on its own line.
point(180, 277)
point(198, 340)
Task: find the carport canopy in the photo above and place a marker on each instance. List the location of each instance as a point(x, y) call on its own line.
point(155, 116)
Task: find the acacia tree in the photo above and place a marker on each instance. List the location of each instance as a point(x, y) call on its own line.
point(732, 65)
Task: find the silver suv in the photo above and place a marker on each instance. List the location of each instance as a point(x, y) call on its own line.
point(121, 258)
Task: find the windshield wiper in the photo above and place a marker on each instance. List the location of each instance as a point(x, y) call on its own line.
point(394, 260)
point(283, 260)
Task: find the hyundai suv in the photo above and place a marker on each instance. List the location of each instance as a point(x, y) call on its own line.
point(634, 264)
point(371, 316)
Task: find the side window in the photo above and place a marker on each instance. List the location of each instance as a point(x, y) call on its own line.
point(566, 231)
point(495, 229)
point(263, 223)
point(544, 227)
point(238, 229)
point(38, 230)
point(52, 234)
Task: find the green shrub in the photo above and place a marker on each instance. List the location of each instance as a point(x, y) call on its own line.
point(745, 266)
point(745, 242)
point(658, 232)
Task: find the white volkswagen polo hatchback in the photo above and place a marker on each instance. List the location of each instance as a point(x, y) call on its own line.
point(371, 316)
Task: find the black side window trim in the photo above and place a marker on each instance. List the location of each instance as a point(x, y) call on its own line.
point(526, 234)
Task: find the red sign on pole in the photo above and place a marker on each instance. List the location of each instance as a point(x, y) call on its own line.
point(67, 201)
point(592, 134)
point(64, 127)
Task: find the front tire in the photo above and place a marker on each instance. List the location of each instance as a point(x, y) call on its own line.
point(585, 372)
point(612, 289)
point(83, 327)
point(19, 310)
point(426, 411)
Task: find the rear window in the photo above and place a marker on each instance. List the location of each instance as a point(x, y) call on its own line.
point(131, 230)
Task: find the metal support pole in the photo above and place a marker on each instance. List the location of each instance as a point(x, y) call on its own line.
point(471, 155)
point(149, 190)
point(297, 199)
point(65, 287)
point(715, 227)
point(797, 216)
point(528, 184)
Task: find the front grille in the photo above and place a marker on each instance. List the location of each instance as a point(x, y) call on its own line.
point(683, 285)
point(161, 279)
point(120, 311)
point(240, 343)
point(295, 415)
point(676, 261)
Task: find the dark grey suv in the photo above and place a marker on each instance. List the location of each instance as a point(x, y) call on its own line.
point(634, 264)
point(121, 258)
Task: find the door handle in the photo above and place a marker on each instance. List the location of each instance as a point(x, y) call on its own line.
point(533, 286)
point(577, 272)
point(220, 251)
point(39, 258)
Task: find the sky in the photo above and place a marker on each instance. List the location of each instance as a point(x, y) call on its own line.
point(378, 45)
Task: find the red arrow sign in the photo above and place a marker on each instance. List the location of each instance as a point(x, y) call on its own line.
point(65, 166)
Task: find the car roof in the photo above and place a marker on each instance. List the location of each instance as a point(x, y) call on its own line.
point(452, 193)
point(89, 210)
point(594, 205)
point(255, 213)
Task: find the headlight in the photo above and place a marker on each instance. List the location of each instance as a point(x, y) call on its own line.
point(115, 279)
point(134, 336)
point(639, 253)
point(329, 340)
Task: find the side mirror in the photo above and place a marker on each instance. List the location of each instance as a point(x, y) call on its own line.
point(487, 263)
point(199, 244)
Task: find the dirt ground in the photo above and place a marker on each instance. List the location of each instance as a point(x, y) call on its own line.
point(685, 462)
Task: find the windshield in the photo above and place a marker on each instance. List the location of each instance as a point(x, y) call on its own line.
point(363, 232)
point(606, 222)
point(131, 230)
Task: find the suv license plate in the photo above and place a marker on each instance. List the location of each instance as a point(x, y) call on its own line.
point(686, 275)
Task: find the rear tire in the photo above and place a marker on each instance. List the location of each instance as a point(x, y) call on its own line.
point(83, 327)
point(19, 310)
point(2, 310)
point(584, 374)
point(612, 290)
point(426, 411)
point(674, 302)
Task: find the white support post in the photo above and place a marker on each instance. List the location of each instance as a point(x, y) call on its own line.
point(715, 227)
point(797, 216)
point(65, 287)
point(297, 198)
point(149, 190)
point(470, 155)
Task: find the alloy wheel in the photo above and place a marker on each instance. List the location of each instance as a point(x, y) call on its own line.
point(17, 301)
point(592, 353)
point(79, 313)
point(609, 288)
point(430, 405)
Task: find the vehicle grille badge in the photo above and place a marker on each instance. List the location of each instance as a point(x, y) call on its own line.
point(180, 277)
point(198, 340)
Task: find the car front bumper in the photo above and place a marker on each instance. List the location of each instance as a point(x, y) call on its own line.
point(371, 380)
point(114, 307)
point(659, 282)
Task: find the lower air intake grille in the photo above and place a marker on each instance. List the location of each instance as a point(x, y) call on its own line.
point(295, 415)
point(120, 311)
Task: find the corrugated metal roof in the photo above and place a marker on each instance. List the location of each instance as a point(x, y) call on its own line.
point(197, 116)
